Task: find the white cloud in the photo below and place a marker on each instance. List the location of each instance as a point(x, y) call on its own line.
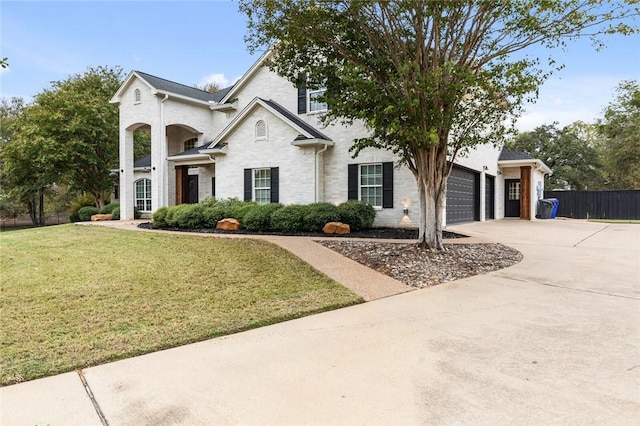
point(568, 100)
point(219, 79)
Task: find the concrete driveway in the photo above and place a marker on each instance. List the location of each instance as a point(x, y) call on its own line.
point(554, 339)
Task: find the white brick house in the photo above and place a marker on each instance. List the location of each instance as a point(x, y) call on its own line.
point(262, 140)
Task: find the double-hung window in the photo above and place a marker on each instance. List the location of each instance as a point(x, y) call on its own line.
point(371, 184)
point(314, 104)
point(262, 186)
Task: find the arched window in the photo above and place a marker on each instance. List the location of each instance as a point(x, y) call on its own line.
point(136, 95)
point(261, 130)
point(143, 195)
point(189, 144)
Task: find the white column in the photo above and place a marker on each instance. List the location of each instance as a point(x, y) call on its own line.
point(126, 174)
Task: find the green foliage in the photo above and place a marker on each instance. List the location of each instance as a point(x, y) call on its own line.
point(289, 218)
point(70, 134)
point(77, 204)
point(429, 78)
point(115, 214)
point(189, 216)
point(85, 213)
point(259, 217)
point(109, 208)
point(620, 130)
point(358, 215)
point(319, 214)
point(159, 218)
point(570, 152)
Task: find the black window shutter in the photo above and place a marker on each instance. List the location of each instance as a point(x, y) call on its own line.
point(275, 185)
point(352, 184)
point(213, 186)
point(248, 185)
point(387, 185)
point(302, 94)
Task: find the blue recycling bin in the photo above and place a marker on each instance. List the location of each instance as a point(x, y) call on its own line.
point(556, 203)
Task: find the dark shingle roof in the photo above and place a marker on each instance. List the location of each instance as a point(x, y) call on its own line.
point(193, 151)
point(295, 119)
point(142, 162)
point(183, 90)
point(507, 155)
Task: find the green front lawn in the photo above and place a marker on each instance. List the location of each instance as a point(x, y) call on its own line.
point(631, 221)
point(77, 296)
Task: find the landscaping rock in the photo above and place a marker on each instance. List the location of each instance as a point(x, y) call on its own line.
point(336, 228)
point(100, 217)
point(228, 224)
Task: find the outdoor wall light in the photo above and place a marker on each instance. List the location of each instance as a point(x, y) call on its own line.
point(405, 211)
point(485, 168)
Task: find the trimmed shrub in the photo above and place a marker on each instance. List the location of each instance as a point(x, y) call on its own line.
point(85, 213)
point(358, 215)
point(289, 218)
point(158, 218)
point(318, 215)
point(189, 216)
point(109, 208)
point(77, 204)
point(259, 217)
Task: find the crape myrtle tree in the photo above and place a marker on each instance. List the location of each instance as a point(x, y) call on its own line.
point(430, 79)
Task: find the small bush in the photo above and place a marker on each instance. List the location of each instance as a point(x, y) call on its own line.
point(319, 214)
point(159, 218)
point(289, 218)
point(85, 213)
point(189, 216)
point(77, 204)
point(109, 208)
point(259, 217)
point(358, 215)
point(115, 214)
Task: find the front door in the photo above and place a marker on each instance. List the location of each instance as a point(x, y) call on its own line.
point(512, 198)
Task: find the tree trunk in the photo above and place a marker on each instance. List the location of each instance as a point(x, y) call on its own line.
point(430, 226)
point(41, 210)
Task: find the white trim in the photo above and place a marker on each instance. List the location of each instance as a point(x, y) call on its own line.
point(246, 77)
point(125, 85)
point(533, 162)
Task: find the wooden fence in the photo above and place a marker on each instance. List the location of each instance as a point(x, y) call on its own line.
point(617, 204)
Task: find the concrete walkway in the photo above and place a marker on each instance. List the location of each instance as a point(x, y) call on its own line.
point(554, 339)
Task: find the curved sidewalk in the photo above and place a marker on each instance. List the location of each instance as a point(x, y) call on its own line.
point(554, 339)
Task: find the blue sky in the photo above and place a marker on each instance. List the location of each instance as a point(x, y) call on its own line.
point(193, 42)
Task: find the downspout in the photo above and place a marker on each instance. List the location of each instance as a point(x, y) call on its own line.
point(317, 194)
point(164, 182)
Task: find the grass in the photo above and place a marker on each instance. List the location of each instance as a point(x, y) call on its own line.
point(78, 296)
point(632, 221)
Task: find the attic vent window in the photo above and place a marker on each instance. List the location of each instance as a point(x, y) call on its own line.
point(189, 144)
point(136, 95)
point(261, 130)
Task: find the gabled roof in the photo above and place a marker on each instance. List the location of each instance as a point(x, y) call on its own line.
point(304, 129)
point(246, 77)
point(506, 155)
point(516, 159)
point(161, 85)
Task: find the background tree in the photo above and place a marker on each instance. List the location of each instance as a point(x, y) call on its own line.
point(570, 152)
point(76, 129)
point(209, 87)
point(429, 78)
point(620, 130)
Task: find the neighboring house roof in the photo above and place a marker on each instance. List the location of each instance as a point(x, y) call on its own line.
point(308, 132)
point(161, 85)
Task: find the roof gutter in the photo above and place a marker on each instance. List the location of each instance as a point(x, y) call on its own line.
point(534, 162)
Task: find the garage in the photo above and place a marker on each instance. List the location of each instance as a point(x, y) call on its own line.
point(463, 196)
